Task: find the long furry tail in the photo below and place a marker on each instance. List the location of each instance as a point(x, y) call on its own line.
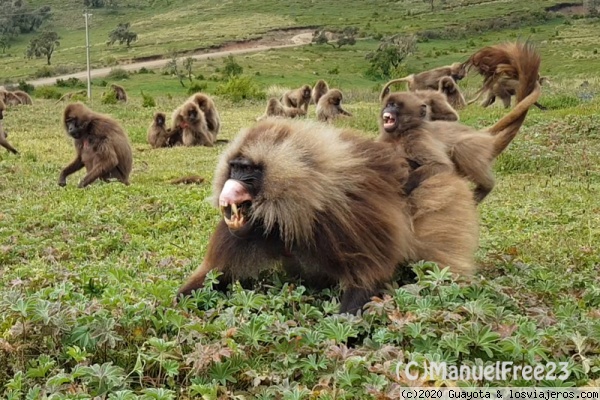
point(516, 60)
point(386, 89)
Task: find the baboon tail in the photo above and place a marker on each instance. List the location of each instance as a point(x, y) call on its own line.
point(386, 89)
point(524, 64)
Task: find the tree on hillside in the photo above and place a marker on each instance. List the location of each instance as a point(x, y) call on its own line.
point(17, 17)
point(172, 68)
point(188, 66)
point(4, 43)
point(591, 7)
point(432, 3)
point(43, 45)
point(122, 34)
point(390, 53)
point(341, 38)
point(100, 3)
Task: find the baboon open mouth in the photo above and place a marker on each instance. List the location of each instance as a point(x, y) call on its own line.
point(389, 121)
point(236, 215)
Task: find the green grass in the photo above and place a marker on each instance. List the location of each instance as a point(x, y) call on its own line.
point(88, 276)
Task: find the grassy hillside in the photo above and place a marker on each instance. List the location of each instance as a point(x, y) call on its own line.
point(87, 277)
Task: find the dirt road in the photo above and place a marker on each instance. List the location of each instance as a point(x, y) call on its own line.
point(237, 48)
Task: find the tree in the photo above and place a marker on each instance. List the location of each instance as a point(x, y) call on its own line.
point(346, 37)
point(122, 34)
point(188, 65)
point(390, 53)
point(173, 69)
point(43, 45)
point(591, 6)
point(17, 17)
point(4, 43)
point(232, 68)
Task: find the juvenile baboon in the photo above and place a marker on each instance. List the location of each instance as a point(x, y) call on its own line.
point(24, 98)
point(298, 98)
point(449, 88)
point(119, 92)
point(329, 106)
point(471, 151)
point(3, 134)
point(431, 79)
point(194, 130)
point(321, 87)
point(158, 134)
point(328, 206)
point(211, 114)
point(101, 144)
point(276, 109)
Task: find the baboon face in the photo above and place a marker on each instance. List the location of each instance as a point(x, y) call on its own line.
point(401, 111)
point(307, 92)
point(192, 115)
point(238, 194)
point(75, 127)
point(160, 119)
point(335, 98)
point(458, 71)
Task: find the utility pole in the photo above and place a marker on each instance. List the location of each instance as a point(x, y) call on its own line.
point(87, 51)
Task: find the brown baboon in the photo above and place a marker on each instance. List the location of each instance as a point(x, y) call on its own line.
point(471, 151)
point(3, 134)
point(504, 88)
point(194, 130)
point(188, 180)
point(449, 88)
point(276, 109)
point(101, 144)
point(329, 106)
point(298, 98)
point(211, 114)
point(430, 79)
point(158, 134)
point(119, 92)
point(24, 98)
point(9, 98)
point(328, 205)
point(438, 107)
point(321, 87)
point(68, 96)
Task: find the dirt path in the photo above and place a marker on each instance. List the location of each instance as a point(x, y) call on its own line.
point(234, 48)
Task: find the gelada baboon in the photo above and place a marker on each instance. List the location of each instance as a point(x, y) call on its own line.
point(429, 145)
point(101, 144)
point(449, 88)
point(504, 88)
point(9, 98)
point(329, 106)
point(119, 92)
point(24, 98)
point(211, 114)
point(354, 226)
point(298, 98)
point(3, 134)
point(276, 109)
point(431, 79)
point(194, 130)
point(321, 87)
point(158, 133)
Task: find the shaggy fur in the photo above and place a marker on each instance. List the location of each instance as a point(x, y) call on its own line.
point(321, 87)
point(329, 106)
point(276, 109)
point(430, 79)
point(192, 122)
point(298, 98)
point(211, 114)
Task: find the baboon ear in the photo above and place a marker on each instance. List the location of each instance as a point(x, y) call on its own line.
point(423, 111)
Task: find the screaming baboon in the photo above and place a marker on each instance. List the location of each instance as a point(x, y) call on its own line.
point(329, 106)
point(328, 206)
point(298, 98)
point(3, 134)
point(276, 109)
point(192, 122)
point(119, 92)
point(431, 79)
point(158, 134)
point(471, 151)
point(207, 105)
point(321, 87)
point(452, 92)
point(101, 144)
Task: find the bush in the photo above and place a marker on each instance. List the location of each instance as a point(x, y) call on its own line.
point(197, 87)
point(145, 70)
point(147, 100)
point(109, 97)
point(26, 87)
point(47, 92)
point(240, 88)
point(118, 73)
point(44, 72)
point(231, 68)
point(70, 83)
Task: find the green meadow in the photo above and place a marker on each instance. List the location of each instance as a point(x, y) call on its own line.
point(87, 277)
